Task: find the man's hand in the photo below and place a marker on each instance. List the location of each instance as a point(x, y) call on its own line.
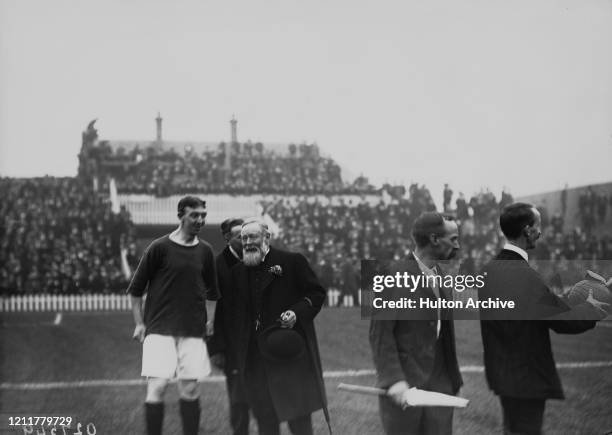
point(210, 328)
point(218, 360)
point(411, 397)
point(396, 392)
point(139, 332)
point(288, 319)
point(600, 306)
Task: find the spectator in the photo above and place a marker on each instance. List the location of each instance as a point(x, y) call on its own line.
point(56, 231)
point(164, 172)
point(448, 196)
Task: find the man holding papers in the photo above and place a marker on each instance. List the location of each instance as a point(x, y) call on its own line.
point(519, 362)
point(419, 354)
point(412, 396)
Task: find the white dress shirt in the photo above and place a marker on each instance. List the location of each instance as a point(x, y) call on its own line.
point(431, 272)
point(520, 251)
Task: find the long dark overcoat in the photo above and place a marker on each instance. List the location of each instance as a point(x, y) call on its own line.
point(296, 387)
point(223, 340)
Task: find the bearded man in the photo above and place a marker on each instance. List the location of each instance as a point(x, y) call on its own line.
point(277, 298)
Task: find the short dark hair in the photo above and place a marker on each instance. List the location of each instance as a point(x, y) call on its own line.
point(515, 217)
point(189, 201)
point(228, 224)
point(428, 223)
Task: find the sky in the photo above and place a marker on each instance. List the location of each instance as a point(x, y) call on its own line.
point(478, 93)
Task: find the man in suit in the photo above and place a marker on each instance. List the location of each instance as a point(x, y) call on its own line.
point(275, 287)
point(419, 353)
point(519, 363)
point(222, 345)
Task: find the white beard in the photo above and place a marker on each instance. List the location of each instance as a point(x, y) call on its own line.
point(253, 258)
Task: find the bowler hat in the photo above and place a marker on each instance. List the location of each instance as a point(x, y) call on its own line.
point(280, 344)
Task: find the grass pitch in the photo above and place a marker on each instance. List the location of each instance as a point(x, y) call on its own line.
point(98, 346)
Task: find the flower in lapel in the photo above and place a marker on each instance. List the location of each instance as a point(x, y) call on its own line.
point(276, 270)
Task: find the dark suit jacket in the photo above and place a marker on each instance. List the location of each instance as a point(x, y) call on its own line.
point(405, 349)
point(517, 353)
point(296, 387)
point(222, 340)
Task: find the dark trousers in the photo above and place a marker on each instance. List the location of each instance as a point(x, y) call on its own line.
point(429, 420)
point(522, 416)
point(238, 405)
point(260, 400)
point(421, 420)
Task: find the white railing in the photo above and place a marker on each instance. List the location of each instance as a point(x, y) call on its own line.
point(93, 302)
point(112, 302)
point(150, 210)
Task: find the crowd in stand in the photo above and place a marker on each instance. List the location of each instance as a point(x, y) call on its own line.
point(253, 169)
point(571, 253)
point(336, 236)
point(59, 236)
point(323, 229)
point(592, 208)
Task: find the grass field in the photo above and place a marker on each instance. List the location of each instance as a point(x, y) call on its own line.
point(98, 347)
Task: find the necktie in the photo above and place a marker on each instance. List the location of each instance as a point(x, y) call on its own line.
point(436, 290)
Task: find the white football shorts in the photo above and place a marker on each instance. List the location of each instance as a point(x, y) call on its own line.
point(165, 356)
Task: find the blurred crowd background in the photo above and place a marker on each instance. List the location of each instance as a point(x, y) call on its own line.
point(298, 169)
point(62, 236)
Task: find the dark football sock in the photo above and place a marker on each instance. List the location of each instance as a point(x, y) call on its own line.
point(190, 414)
point(154, 414)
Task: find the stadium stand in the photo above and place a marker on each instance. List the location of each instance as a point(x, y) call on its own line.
point(83, 235)
point(162, 171)
point(163, 168)
point(60, 236)
point(588, 207)
point(331, 235)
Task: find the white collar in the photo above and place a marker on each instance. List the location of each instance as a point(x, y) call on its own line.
point(234, 253)
point(520, 251)
point(426, 270)
point(265, 254)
